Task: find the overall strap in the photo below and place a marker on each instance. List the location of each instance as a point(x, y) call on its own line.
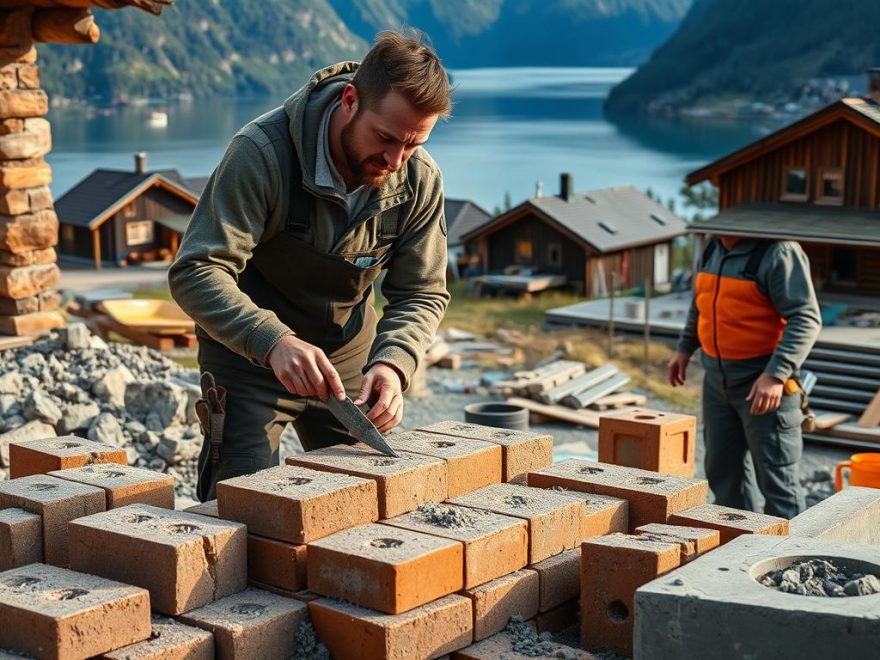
point(755, 258)
point(707, 252)
point(276, 126)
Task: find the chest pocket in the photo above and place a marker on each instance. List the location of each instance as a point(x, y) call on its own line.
point(382, 247)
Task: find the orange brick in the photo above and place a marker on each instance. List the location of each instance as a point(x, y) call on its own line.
point(21, 538)
point(729, 522)
point(385, 568)
point(208, 508)
point(612, 568)
point(652, 497)
point(494, 545)
point(601, 514)
point(559, 579)
point(403, 483)
point(59, 614)
point(649, 439)
point(183, 559)
point(58, 502)
point(44, 456)
point(559, 618)
point(496, 601)
point(296, 504)
point(168, 640)
point(554, 518)
point(428, 631)
point(522, 451)
point(276, 563)
point(470, 464)
point(694, 541)
point(124, 485)
point(251, 624)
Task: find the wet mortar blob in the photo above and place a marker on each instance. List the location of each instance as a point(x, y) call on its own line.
point(446, 516)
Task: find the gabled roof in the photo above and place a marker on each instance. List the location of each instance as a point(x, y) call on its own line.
point(103, 192)
point(462, 216)
point(862, 112)
point(606, 220)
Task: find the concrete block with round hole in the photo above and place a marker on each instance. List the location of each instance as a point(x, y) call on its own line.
point(522, 451)
point(43, 456)
point(385, 568)
point(169, 640)
point(649, 439)
point(124, 485)
point(730, 522)
point(56, 613)
point(652, 496)
point(185, 560)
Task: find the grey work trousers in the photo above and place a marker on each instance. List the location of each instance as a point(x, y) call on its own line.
point(774, 441)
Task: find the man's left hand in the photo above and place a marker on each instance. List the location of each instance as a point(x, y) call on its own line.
point(383, 384)
point(765, 395)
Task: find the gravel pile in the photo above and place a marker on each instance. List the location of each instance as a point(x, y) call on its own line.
point(820, 577)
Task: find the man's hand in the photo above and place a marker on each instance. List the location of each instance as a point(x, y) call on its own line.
point(677, 368)
point(765, 395)
point(382, 383)
point(304, 369)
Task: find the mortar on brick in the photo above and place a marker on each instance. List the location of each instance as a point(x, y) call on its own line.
point(554, 519)
point(497, 601)
point(385, 568)
point(45, 455)
point(45, 610)
point(185, 560)
point(58, 502)
point(694, 541)
point(494, 545)
point(522, 451)
point(168, 639)
point(21, 538)
point(652, 497)
point(306, 644)
point(601, 515)
point(730, 522)
point(297, 504)
point(251, 624)
point(403, 483)
point(124, 484)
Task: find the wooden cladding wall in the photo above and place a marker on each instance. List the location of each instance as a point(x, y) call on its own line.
point(865, 263)
point(841, 144)
point(502, 246)
point(633, 267)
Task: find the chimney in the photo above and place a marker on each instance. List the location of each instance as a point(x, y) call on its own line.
point(566, 186)
point(539, 188)
point(140, 162)
point(874, 84)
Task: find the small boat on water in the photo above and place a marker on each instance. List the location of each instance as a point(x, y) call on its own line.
point(157, 119)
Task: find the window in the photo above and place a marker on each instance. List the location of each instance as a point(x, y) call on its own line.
point(139, 233)
point(523, 252)
point(67, 236)
point(554, 255)
point(129, 211)
point(795, 185)
point(830, 186)
point(844, 265)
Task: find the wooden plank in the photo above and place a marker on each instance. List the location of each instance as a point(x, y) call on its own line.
point(579, 384)
point(871, 417)
point(827, 420)
point(158, 342)
point(581, 417)
point(8, 343)
point(549, 382)
point(855, 432)
point(585, 398)
point(618, 400)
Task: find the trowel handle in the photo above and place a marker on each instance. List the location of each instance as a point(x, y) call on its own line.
point(838, 473)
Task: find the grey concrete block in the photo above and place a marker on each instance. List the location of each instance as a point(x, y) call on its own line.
point(714, 608)
point(851, 516)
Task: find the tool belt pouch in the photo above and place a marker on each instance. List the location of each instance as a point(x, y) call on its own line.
point(809, 423)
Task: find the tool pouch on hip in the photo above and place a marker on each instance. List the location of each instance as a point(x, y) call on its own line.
point(211, 411)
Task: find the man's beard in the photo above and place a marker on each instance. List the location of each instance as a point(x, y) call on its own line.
point(356, 165)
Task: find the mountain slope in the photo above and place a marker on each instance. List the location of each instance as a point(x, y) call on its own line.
point(753, 49)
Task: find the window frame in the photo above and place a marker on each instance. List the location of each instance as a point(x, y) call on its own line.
point(554, 263)
point(130, 229)
point(821, 198)
point(787, 196)
point(129, 210)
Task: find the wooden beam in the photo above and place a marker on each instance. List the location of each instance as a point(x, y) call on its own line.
point(65, 26)
point(96, 247)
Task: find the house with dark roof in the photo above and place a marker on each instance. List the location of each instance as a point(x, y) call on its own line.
point(591, 238)
point(816, 181)
point(462, 216)
point(121, 217)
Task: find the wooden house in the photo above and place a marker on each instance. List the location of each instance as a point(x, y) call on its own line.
point(816, 181)
point(585, 237)
point(123, 217)
point(462, 216)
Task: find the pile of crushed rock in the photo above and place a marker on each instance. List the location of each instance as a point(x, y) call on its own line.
point(821, 577)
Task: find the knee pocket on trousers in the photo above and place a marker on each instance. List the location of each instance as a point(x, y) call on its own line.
point(786, 447)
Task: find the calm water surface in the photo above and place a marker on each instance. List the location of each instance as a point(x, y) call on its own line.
point(510, 128)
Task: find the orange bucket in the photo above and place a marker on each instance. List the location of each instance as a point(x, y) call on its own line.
point(864, 470)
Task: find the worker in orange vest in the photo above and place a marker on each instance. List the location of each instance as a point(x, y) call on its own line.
point(755, 317)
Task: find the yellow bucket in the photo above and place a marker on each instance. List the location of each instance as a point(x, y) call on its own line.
point(864, 470)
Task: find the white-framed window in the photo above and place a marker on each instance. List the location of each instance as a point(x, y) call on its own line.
point(139, 233)
point(830, 186)
point(794, 185)
point(129, 210)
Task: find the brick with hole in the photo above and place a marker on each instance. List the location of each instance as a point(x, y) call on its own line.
point(649, 439)
point(57, 501)
point(515, 594)
point(554, 518)
point(652, 497)
point(471, 464)
point(251, 624)
point(559, 579)
point(730, 522)
point(21, 538)
point(403, 483)
point(357, 633)
point(124, 485)
point(185, 560)
point(169, 640)
point(522, 451)
point(494, 545)
point(385, 568)
point(59, 614)
point(694, 541)
point(297, 504)
point(612, 568)
point(601, 514)
point(276, 563)
point(43, 456)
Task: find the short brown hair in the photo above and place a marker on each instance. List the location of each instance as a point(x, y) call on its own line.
point(411, 68)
